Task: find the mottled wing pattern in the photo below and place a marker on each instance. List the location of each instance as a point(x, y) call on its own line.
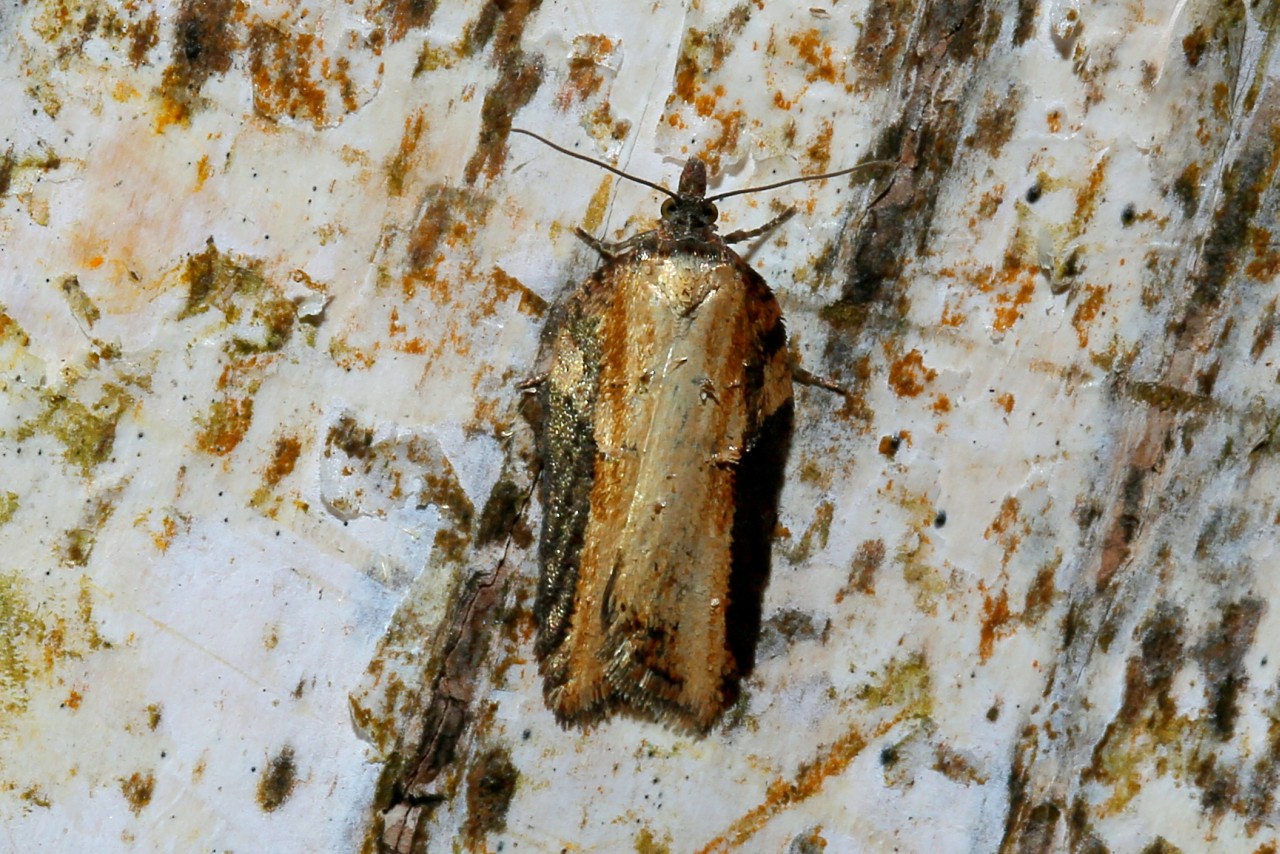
point(638, 553)
point(568, 450)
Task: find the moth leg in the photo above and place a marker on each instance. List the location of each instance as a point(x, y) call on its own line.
point(532, 382)
point(739, 236)
point(805, 377)
point(808, 378)
point(609, 250)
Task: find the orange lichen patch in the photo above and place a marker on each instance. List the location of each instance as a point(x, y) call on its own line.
point(402, 164)
point(1265, 265)
point(225, 426)
point(203, 171)
point(702, 53)
point(283, 459)
point(819, 151)
point(95, 262)
point(941, 404)
point(995, 622)
point(1054, 121)
point(905, 686)
point(1087, 310)
point(1088, 196)
point(171, 525)
point(394, 327)
point(137, 790)
point(504, 285)
point(862, 572)
point(282, 68)
point(590, 52)
point(1008, 307)
point(73, 701)
point(908, 375)
point(952, 316)
point(1002, 528)
point(988, 205)
point(1005, 402)
point(816, 55)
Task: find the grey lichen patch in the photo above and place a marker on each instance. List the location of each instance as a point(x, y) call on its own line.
point(84, 309)
point(277, 780)
point(362, 475)
point(816, 534)
point(86, 432)
point(788, 627)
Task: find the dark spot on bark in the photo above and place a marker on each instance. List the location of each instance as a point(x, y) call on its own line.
point(349, 438)
point(501, 514)
point(1186, 189)
point(277, 781)
point(1194, 44)
point(1025, 27)
point(491, 783)
point(1221, 655)
point(1242, 188)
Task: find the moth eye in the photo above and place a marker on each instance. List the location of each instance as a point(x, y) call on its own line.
point(707, 214)
point(667, 207)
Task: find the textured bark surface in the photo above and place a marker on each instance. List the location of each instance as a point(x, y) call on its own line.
point(271, 276)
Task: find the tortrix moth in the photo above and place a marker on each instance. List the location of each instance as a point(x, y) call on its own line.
point(666, 404)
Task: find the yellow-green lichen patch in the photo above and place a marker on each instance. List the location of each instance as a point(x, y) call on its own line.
point(20, 633)
point(78, 542)
point(225, 425)
point(646, 842)
point(277, 781)
point(238, 289)
point(11, 333)
point(905, 685)
point(8, 506)
point(87, 432)
point(213, 279)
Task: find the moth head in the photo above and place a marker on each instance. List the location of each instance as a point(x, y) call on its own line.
point(688, 208)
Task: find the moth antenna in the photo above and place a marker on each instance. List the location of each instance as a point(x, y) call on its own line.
point(836, 174)
point(600, 163)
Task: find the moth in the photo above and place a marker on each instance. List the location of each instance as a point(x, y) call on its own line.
point(666, 399)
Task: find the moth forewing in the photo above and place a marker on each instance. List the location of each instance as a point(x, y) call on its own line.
point(667, 411)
